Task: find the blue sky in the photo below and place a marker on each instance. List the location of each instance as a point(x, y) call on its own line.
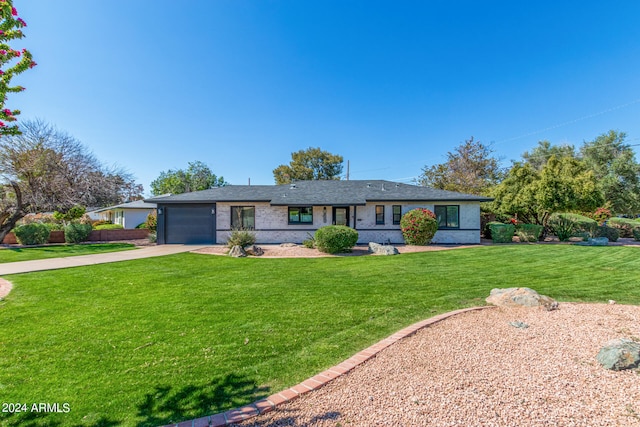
point(391, 86)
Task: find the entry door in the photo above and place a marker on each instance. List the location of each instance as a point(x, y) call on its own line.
point(341, 216)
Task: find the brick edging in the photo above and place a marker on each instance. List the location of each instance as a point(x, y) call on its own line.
point(268, 404)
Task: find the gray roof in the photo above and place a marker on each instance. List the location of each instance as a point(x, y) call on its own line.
point(318, 193)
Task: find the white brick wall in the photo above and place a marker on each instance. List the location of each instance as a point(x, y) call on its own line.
point(272, 223)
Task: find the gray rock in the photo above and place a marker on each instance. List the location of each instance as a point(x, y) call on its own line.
point(519, 324)
point(595, 241)
point(620, 354)
point(255, 251)
point(378, 249)
point(520, 297)
point(237, 252)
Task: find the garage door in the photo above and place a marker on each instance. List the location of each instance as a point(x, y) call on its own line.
point(190, 224)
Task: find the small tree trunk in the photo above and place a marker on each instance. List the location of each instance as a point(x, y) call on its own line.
point(8, 224)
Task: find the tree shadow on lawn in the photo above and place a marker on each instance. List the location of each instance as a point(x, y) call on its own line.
point(165, 405)
point(45, 419)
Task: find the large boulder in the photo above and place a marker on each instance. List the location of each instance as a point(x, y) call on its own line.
point(255, 251)
point(520, 297)
point(620, 354)
point(237, 252)
point(378, 249)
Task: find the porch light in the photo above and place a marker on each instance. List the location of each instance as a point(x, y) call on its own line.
point(159, 211)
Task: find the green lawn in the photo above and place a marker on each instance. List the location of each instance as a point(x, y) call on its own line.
point(59, 251)
point(160, 340)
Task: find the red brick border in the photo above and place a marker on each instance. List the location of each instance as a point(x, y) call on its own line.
point(270, 403)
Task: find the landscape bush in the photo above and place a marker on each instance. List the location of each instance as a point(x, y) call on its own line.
point(108, 227)
point(333, 239)
point(636, 234)
point(76, 233)
point(582, 223)
point(529, 232)
point(32, 234)
point(153, 237)
point(624, 225)
point(502, 233)
point(562, 226)
point(241, 237)
point(152, 221)
point(613, 234)
point(487, 228)
point(418, 226)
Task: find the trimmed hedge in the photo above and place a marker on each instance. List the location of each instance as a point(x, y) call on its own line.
point(502, 233)
point(418, 226)
point(108, 227)
point(333, 239)
point(529, 232)
point(32, 234)
point(624, 225)
point(609, 232)
point(582, 223)
point(76, 233)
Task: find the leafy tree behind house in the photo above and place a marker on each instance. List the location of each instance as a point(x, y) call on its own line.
point(198, 176)
point(471, 168)
point(541, 154)
point(616, 169)
point(12, 63)
point(43, 169)
point(309, 164)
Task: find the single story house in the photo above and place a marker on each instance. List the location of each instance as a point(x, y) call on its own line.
point(293, 212)
point(128, 215)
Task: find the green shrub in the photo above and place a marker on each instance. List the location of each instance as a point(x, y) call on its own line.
point(487, 229)
point(108, 227)
point(581, 223)
point(418, 226)
point(310, 242)
point(152, 221)
point(609, 232)
point(502, 233)
point(76, 233)
point(529, 232)
point(32, 234)
point(241, 237)
point(563, 226)
point(636, 234)
point(142, 225)
point(53, 226)
point(333, 239)
point(100, 222)
point(624, 225)
point(153, 237)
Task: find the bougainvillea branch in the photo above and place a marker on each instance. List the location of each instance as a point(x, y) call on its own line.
point(12, 63)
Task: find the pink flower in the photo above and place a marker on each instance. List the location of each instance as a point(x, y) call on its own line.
point(14, 12)
point(2, 125)
point(3, 52)
point(7, 111)
point(21, 21)
point(16, 53)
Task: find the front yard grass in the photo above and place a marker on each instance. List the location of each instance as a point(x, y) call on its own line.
point(10, 254)
point(161, 340)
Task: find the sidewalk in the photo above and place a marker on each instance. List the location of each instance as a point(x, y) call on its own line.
point(80, 260)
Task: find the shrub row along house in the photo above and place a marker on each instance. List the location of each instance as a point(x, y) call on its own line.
point(292, 212)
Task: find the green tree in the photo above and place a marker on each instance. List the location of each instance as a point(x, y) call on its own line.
point(564, 184)
point(198, 176)
point(541, 154)
point(471, 169)
point(309, 164)
point(12, 63)
point(616, 169)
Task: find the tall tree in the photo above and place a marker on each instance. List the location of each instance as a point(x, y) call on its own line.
point(12, 62)
point(309, 164)
point(564, 184)
point(471, 169)
point(43, 169)
point(198, 176)
point(616, 169)
point(541, 154)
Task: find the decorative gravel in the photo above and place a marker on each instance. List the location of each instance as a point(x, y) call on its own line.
point(478, 369)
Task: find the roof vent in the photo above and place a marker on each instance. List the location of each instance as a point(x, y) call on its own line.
point(368, 185)
point(397, 185)
point(383, 187)
point(293, 185)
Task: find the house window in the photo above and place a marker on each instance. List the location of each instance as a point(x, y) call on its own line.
point(301, 215)
point(380, 214)
point(243, 217)
point(397, 214)
point(448, 216)
point(119, 218)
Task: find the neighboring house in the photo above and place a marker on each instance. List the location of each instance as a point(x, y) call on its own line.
point(293, 212)
point(128, 215)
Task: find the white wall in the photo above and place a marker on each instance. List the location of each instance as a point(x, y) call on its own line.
point(272, 223)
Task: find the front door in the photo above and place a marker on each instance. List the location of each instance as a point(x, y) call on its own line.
point(341, 216)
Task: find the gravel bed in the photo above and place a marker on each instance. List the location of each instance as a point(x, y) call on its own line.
point(475, 369)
